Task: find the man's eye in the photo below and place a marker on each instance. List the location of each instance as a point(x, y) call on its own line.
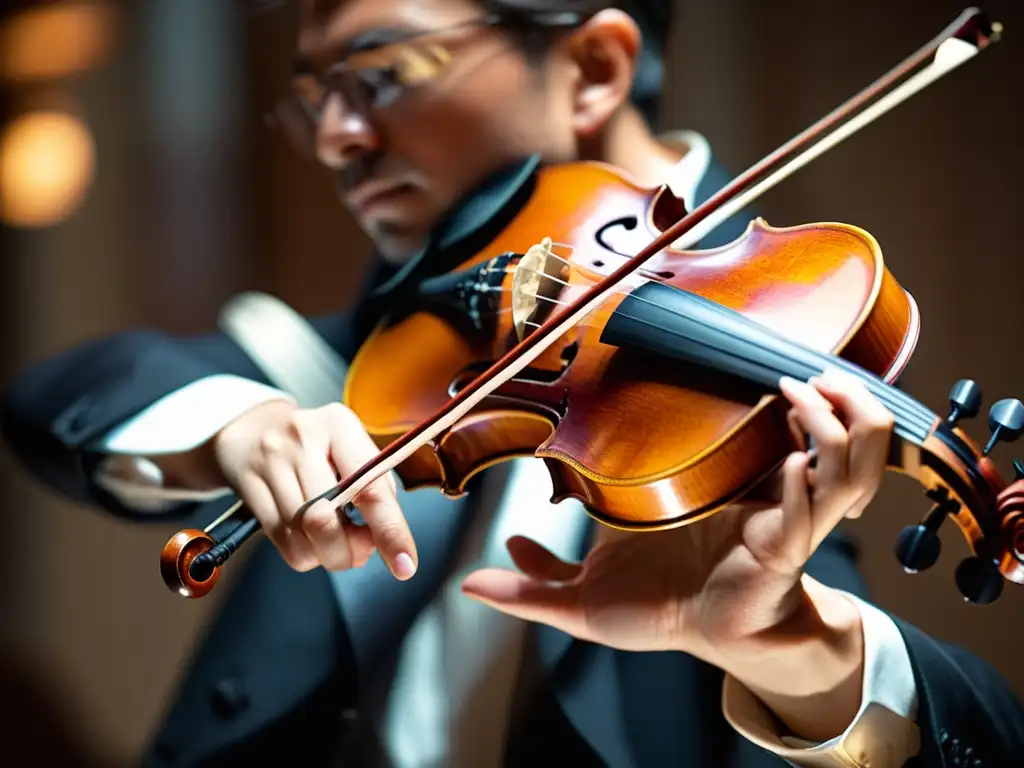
point(380, 85)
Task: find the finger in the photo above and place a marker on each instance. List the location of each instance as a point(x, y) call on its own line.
point(540, 563)
point(818, 420)
point(798, 512)
point(323, 523)
point(360, 541)
point(778, 536)
point(293, 545)
point(378, 504)
point(323, 526)
point(870, 428)
point(796, 430)
point(363, 557)
point(279, 474)
point(557, 605)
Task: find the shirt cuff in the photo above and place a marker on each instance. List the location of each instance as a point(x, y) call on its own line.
point(177, 422)
point(138, 484)
point(884, 732)
point(188, 417)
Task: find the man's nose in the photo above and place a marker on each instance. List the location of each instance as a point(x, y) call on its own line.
point(343, 134)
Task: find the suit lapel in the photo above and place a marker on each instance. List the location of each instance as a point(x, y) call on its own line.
point(586, 685)
point(671, 709)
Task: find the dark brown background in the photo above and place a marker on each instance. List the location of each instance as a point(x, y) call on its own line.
point(193, 199)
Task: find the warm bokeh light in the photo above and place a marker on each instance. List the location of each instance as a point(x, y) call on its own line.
point(47, 162)
point(56, 40)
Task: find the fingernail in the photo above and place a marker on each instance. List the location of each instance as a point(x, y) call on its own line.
point(833, 375)
point(404, 567)
point(788, 382)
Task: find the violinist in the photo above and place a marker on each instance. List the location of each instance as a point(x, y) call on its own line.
point(496, 629)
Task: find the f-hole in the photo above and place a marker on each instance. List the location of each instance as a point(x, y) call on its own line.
point(539, 375)
point(569, 354)
point(629, 223)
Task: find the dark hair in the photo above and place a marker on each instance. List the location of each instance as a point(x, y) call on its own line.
point(653, 17)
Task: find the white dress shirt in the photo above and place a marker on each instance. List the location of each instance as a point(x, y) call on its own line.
point(431, 696)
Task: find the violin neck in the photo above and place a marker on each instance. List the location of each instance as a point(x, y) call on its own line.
point(664, 320)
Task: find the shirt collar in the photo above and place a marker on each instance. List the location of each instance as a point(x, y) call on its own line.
point(685, 177)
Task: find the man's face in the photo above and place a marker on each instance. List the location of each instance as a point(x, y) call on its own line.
point(402, 165)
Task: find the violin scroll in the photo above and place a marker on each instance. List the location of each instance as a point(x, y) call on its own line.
point(980, 579)
point(1010, 509)
point(177, 559)
point(965, 486)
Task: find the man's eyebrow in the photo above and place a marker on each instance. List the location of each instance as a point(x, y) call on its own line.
point(375, 38)
point(364, 41)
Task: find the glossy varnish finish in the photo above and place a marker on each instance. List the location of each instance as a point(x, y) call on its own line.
point(646, 442)
point(643, 442)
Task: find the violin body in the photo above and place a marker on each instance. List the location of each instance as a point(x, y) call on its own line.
point(653, 396)
point(642, 442)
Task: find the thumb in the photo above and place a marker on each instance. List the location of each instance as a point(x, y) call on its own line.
point(515, 594)
point(539, 562)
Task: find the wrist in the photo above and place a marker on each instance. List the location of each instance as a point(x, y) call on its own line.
point(809, 669)
point(205, 467)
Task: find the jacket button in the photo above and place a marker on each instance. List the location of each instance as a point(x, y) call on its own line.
point(228, 698)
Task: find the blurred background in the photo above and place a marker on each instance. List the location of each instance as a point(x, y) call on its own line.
point(139, 185)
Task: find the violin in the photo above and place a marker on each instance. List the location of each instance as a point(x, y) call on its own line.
point(587, 332)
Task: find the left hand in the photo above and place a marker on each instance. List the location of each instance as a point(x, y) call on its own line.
point(729, 589)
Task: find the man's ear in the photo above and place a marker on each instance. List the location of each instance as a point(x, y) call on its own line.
point(604, 52)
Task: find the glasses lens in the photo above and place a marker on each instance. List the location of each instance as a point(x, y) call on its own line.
point(369, 81)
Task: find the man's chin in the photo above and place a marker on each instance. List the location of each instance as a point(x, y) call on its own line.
point(396, 247)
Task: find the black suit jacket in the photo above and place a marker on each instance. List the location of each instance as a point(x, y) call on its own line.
point(280, 675)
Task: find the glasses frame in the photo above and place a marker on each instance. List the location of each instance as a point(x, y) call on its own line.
point(300, 120)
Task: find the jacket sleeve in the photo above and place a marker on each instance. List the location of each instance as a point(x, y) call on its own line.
point(968, 714)
point(58, 412)
point(925, 702)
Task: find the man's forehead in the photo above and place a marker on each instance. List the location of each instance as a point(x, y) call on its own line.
point(346, 25)
point(327, 12)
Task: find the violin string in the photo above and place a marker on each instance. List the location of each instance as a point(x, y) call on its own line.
point(912, 414)
point(901, 403)
point(914, 424)
point(548, 299)
point(915, 415)
point(567, 284)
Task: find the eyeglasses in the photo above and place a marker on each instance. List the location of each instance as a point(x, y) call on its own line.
point(375, 78)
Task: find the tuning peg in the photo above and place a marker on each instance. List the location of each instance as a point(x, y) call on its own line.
point(979, 580)
point(964, 401)
point(1006, 420)
point(919, 546)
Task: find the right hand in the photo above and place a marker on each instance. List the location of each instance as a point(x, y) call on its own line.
point(277, 456)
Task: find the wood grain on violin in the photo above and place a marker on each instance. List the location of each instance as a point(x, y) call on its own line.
point(647, 377)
